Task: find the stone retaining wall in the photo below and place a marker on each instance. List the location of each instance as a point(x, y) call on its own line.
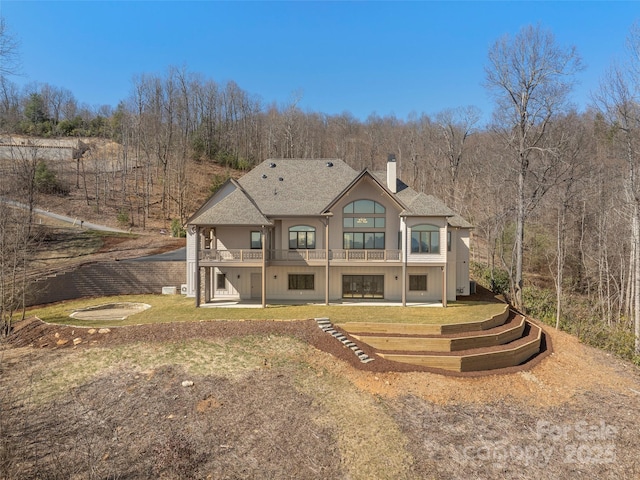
point(108, 278)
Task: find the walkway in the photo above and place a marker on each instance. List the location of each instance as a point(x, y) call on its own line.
point(62, 218)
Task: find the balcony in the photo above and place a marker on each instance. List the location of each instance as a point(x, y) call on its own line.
point(299, 256)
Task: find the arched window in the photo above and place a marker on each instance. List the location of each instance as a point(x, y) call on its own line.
point(363, 223)
point(425, 239)
point(302, 237)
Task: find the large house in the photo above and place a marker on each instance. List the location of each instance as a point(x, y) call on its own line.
point(319, 231)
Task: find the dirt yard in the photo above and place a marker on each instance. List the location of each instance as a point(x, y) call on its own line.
point(229, 400)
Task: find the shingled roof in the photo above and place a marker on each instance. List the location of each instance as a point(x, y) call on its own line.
point(234, 208)
point(304, 187)
point(296, 187)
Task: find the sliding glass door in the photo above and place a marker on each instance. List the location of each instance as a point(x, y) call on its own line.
point(363, 286)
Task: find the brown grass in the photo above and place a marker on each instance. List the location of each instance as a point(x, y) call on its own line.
point(273, 407)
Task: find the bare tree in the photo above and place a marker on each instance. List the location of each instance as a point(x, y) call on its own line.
point(530, 78)
point(9, 51)
point(619, 100)
point(455, 125)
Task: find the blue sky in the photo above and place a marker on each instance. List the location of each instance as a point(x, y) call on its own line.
point(360, 57)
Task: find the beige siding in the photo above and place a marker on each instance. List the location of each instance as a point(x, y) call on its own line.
point(366, 190)
point(427, 257)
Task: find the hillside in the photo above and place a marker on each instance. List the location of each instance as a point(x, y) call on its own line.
point(267, 402)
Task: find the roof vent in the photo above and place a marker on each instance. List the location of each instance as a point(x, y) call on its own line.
point(281, 179)
point(272, 165)
point(329, 164)
point(264, 175)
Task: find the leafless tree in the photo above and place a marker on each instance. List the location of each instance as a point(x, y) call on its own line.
point(619, 100)
point(455, 125)
point(9, 51)
point(530, 77)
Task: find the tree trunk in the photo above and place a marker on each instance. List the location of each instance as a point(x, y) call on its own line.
point(519, 240)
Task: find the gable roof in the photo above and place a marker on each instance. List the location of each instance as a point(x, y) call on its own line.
point(296, 187)
point(376, 180)
point(231, 208)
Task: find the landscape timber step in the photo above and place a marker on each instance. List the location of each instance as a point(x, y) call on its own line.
point(503, 356)
point(424, 329)
point(467, 341)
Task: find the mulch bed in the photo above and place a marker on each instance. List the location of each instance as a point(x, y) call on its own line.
point(35, 333)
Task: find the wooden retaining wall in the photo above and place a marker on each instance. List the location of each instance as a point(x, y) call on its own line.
point(444, 344)
point(422, 329)
point(472, 362)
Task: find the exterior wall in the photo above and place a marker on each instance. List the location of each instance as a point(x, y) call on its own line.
point(282, 231)
point(462, 262)
point(230, 238)
point(192, 254)
point(238, 283)
point(366, 190)
point(434, 285)
point(441, 257)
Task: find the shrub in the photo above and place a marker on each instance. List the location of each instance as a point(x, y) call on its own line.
point(123, 218)
point(496, 280)
point(176, 229)
point(46, 181)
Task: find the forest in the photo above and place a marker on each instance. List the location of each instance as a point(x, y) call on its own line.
point(553, 191)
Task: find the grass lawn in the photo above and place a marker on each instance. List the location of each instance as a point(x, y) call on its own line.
point(176, 308)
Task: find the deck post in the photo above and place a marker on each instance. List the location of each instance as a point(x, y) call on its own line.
point(326, 254)
point(207, 284)
point(403, 252)
point(197, 269)
point(263, 238)
point(446, 264)
point(444, 285)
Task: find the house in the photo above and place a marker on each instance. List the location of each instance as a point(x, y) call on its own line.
point(320, 231)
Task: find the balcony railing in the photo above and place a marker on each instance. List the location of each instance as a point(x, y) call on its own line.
point(239, 255)
point(306, 256)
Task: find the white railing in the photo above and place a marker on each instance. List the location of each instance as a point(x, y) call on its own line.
point(336, 256)
point(366, 255)
point(239, 255)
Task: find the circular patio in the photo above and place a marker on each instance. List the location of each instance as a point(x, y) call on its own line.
point(110, 311)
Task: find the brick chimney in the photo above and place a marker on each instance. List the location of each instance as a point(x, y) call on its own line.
point(392, 173)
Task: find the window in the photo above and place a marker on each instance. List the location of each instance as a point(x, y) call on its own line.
point(364, 206)
point(221, 281)
point(425, 239)
point(363, 240)
point(418, 283)
point(448, 240)
point(302, 237)
point(256, 240)
point(363, 222)
point(301, 281)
